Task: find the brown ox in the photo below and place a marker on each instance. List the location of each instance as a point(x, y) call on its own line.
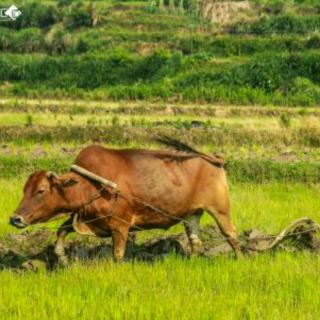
point(155, 189)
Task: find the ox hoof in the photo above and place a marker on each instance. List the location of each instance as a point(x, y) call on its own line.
point(63, 261)
point(196, 246)
point(118, 259)
point(239, 255)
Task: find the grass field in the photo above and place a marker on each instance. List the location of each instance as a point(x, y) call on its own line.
point(266, 287)
point(271, 184)
point(263, 287)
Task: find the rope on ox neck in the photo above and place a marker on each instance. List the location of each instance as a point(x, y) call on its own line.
point(96, 196)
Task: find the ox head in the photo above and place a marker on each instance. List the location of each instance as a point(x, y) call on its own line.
point(44, 196)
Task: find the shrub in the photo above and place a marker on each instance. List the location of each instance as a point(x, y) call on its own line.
point(304, 92)
point(36, 14)
point(279, 24)
point(274, 7)
point(186, 4)
point(82, 46)
point(57, 43)
point(29, 40)
point(78, 16)
point(314, 42)
point(177, 3)
point(149, 67)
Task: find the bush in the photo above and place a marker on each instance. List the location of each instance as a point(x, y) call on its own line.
point(36, 14)
point(30, 40)
point(274, 7)
point(82, 46)
point(304, 92)
point(314, 42)
point(78, 16)
point(148, 67)
point(186, 4)
point(279, 24)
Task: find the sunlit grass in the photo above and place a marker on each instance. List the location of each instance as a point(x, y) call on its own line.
point(58, 119)
point(266, 287)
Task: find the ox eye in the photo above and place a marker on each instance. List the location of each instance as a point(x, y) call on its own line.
point(41, 191)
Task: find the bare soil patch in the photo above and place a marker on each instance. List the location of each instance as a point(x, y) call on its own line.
point(34, 250)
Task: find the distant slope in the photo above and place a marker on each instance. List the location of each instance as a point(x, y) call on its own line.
point(257, 52)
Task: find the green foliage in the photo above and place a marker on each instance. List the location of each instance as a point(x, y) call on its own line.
point(280, 24)
point(174, 56)
point(35, 14)
point(65, 3)
point(304, 92)
point(77, 16)
point(274, 7)
point(25, 41)
point(82, 46)
point(186, 4)
point(314, 42)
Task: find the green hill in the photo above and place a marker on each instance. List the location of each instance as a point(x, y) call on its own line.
point(265, 53)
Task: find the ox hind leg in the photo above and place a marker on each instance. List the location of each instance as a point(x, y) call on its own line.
point(59, 248)
point(192, 226)
point(227, 228)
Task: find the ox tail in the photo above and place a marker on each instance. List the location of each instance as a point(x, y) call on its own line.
point(180, 146)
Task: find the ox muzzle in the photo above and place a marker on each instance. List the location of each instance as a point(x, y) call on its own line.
point(17, 221)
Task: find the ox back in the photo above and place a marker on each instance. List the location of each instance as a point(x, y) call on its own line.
point(171, 181)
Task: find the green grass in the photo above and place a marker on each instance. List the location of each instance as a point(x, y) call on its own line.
point(266, 287)
point(283, 286)
point(56, 119)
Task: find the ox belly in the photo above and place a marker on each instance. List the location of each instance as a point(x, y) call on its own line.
point(89, 229)
point(165, 185)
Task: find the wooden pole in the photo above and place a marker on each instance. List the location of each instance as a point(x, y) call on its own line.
point(90, 175)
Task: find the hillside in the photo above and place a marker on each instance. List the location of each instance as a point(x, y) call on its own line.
point(258, 52)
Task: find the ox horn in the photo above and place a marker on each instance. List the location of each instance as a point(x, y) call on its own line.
point(92, 176)
point(51, 175)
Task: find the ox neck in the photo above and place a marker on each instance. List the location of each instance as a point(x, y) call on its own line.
point(81, 194)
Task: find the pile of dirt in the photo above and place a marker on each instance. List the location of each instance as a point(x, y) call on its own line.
point(34, 250)
point(224, 11)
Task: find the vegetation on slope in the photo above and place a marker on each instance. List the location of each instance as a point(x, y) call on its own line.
point(141, 50)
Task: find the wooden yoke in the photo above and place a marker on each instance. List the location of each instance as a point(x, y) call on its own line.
point(94, 177)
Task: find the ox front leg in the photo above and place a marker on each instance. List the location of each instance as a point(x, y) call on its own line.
point(119, 239)
point(59, 249)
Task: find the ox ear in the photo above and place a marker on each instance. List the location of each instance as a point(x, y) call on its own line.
point(61, 182)
point(69, 182)
point(52, 176)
